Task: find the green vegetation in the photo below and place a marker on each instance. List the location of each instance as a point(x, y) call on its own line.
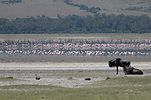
point(77, 24)
point(6, 78)
point(123, 88)
point(93, 10)
point(130, 82)
point(10, 1)
point(137, 8)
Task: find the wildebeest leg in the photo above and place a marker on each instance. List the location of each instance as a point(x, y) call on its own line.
point(117, 70)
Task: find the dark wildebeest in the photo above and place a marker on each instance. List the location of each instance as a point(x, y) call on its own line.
point(132, 71)
point(118, 62)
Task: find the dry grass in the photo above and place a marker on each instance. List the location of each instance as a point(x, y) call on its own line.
point(52, 8)
point(126, 88)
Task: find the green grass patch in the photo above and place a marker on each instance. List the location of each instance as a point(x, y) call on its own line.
point(6, 78)
point(121, 88)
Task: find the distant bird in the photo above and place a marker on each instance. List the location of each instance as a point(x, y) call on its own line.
point(37, 77)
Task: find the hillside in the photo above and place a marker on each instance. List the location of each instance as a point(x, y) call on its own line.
point(52, 8)
point(27, 8)
point(128, 7)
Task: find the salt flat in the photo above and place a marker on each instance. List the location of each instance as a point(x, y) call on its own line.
point(65, 66)
point(52, 66)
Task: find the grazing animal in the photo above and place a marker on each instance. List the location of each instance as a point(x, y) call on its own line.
point(132, 71)
point(118, 62)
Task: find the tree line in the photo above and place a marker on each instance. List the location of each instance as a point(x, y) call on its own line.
point(77, 24)
point(10, 1)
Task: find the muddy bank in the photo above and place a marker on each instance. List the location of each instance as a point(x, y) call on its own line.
point(47, 58)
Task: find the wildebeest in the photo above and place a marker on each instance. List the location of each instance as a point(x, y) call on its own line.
point(132, 71)
point(126, 65)
point(118, 62)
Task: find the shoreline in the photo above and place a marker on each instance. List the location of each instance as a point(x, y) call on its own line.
point(67, 66)
point(75, 36)
point(68, 59)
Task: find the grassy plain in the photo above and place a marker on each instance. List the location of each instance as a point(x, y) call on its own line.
point(52, 8)
point(121, 88)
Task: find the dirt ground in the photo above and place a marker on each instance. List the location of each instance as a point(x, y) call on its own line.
point(70, 75)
